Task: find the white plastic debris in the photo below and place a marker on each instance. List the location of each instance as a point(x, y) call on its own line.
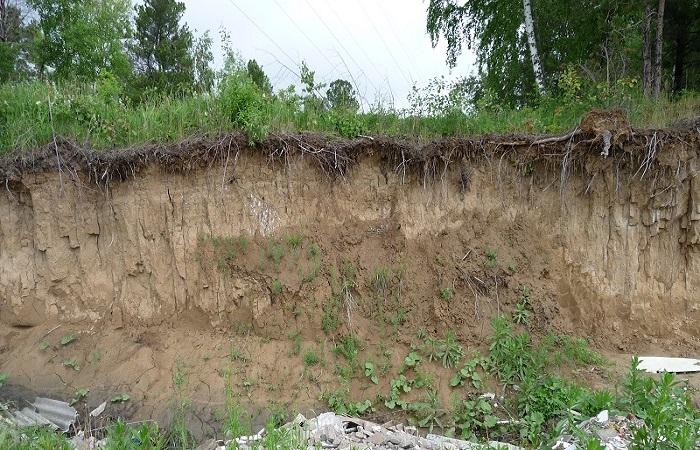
point(99, 410)
point(658, 364)
point(602, 417)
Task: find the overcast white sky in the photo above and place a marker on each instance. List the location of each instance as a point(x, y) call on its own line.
point(381, 45)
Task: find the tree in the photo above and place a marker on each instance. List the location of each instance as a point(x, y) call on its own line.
point(162, 47)
point(682, 27)
point(15, 37)
point(341, 96)
point(201, 60)
point(78, 40)
point(659, 47)
point(257, 74)
point(532, 43)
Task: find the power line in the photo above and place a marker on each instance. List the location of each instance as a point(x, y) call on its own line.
point(396, 36)
point(352, 37)
point(343, 47)
point(369, 18)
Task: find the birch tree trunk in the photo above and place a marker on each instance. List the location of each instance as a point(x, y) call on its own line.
point(534, 53)
point(3, 21)
point(659, 47)
point(647, 76)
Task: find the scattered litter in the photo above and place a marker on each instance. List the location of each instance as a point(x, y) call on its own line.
point(613, 433)
point(658, 364)
point(99, 410)
point(331, 431)
point(57, 412)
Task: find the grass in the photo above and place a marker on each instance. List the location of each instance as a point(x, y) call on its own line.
point(311, 358)
point(31, 112)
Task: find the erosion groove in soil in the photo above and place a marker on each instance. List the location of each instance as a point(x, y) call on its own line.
point(155, 256)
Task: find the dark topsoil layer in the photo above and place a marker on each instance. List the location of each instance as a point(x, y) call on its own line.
point(599, 132)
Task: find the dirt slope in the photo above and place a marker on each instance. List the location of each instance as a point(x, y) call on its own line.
point(212, 252)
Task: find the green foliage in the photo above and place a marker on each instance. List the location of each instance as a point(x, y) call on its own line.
point(398, 386)
point(670, 419)
point(72, 363)
point(162, 48)
point(3, 379)
point(120, 398)
point(338, 402)
point(446, 350)
point(68, 338)
point(329, 321)
point(276, 288)
point(521, 315)
point(512, 356)
point(275, 252)
point(311, 358)
point(426, 412)
point(80, 40)
point(245, 105)
point(370, 372)
point(447, 293)
point(294, 240)
point(35, 438)
point(342, 96)
point(348, 347)
point(412, 360)
point(258, 76)
point(469, 373)
point(146, 436)
point(473, 414)
point(491, 258)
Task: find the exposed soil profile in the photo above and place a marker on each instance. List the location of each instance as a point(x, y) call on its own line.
point(218, 260)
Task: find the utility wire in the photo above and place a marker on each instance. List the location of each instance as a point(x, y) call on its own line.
point(352, 37)
point(391, 54)
point(396, 36)
point(343, 47)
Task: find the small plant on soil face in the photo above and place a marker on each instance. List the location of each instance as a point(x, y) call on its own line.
point(521, 315)
point(296, 343)
point(294, 240)
point(399, 317)
point(338, 402)
point(3, 378)
point(314, 250)
point(276, 288)
point(79, 395)
point(275, 251)
point(446, 350)
point(348, 347)
point(236, 355)
point(120, 398)
point(469, 373)
point(398, 386)
point(381, 279)
point(43, 346)
point(447, 293)
point(412, 360)
point(330, 320)
point(68, 338)
point(370, 372)
point(427, 413)
point(491, 258)
point(72, 363)
point(311, 358)
point(474, 414)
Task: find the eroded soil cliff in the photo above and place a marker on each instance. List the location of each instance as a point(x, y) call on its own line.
point(214, 251)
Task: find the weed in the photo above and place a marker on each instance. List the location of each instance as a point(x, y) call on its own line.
point(473, 414)
point(79, 395)
point(294, 240)
point(370, 372)
point(120, 398)
point(399, 317)
point(3, 379)
point(330, 320)
point(43, 346)
point(344, 371)
point(296, 343)
point(512, 356)
point(276, 288)
point(68, 338)
point(275, 252)
point(398, 386)
point(412, 360)
point(311, 358)
point(338, 402)
point(447, 293)
point(427, 412)
point(521, 315)
point(121, 436)
point(95, 356)
point(313, 250)
point(234, 354)
point(348, 347)
point(72, 363)
point(491, 258)
point(446, 350)
point(381, 279)
point(469, 373)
